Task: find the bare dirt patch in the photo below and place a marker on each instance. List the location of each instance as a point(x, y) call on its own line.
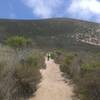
point(52, 86)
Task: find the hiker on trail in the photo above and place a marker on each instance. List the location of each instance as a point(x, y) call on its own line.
point(48, 56)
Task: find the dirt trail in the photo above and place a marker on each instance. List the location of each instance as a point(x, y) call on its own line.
point(52, 86)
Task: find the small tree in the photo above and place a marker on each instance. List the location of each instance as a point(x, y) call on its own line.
point(18, 42)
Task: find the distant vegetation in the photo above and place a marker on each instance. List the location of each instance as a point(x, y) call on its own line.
point(51, 33)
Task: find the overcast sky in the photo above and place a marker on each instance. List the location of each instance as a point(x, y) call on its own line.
point(40, 9)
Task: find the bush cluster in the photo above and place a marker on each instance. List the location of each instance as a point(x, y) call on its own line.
point(19, 77)
point(85, 72)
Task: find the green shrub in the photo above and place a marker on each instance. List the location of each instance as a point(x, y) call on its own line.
point(19, 77)
point(52, 55)
point(17, 41)
point(85, 72)
point(58, 52)
point(65, 65)
point(90, 66)
point(89, 86)
point(68, 59)
point(32, 61)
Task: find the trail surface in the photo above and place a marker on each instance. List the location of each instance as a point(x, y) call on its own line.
point(52, 86)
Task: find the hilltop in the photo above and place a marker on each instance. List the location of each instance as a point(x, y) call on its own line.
point(53, 33)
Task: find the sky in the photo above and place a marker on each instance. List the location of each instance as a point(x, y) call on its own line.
point(40, 9)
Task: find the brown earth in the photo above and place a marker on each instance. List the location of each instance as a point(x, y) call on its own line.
point(53, 86)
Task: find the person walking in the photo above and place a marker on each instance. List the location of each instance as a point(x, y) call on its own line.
point(48, 56)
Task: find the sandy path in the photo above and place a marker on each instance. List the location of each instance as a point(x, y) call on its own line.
point(52, 86)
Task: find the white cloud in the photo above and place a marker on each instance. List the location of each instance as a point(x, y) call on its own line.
point(85, 9)
point(79, 9)
point(44, 8)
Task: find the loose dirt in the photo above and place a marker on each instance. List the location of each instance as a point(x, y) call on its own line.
point(53, 86)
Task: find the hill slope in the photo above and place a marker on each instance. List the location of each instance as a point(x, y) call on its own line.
point(51, 33)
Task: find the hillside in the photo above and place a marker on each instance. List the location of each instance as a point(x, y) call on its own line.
point(72, 51)
point(52, 33)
